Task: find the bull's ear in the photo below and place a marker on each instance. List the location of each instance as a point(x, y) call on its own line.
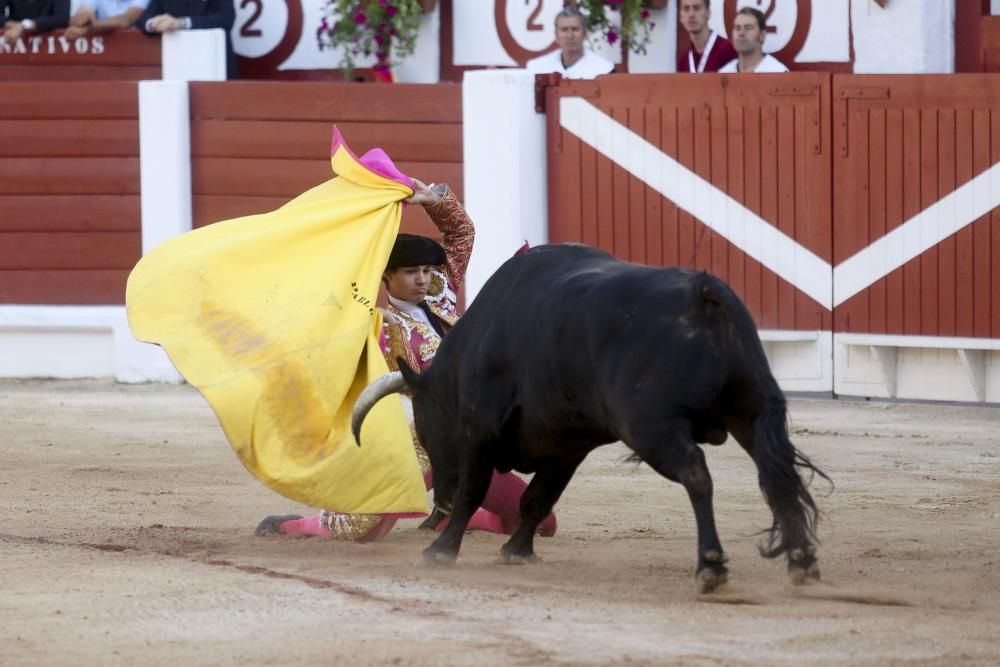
point(412, 377)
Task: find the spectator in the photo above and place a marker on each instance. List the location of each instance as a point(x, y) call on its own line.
point(95, 17)
point(169, 15)
point(572, 59)
point(22, 17)
point(709, 50)
point(749, 28)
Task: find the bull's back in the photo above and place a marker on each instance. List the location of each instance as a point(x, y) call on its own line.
point(570, 318)
point(584, 339)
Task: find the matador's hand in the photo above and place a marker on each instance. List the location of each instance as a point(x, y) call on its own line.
point(423, 195)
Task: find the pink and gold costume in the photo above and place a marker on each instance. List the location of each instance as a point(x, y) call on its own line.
point(413, 339)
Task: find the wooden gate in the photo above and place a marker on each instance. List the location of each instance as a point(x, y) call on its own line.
point(917, 180)
point(727, 174)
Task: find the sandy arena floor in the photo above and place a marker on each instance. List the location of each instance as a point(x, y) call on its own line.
point(127, 538)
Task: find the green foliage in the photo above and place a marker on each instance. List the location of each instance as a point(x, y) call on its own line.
point(386, 29)
point(635, 23)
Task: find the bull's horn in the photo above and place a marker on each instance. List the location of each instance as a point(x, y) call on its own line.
point(393, 383)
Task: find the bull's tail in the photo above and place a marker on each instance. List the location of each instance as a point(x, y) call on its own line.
point(778, 466)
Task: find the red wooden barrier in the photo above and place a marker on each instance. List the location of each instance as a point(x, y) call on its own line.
point(903, 143)
point(255, 145)
point(889, 180)
point(127, 55)
point(69, 192)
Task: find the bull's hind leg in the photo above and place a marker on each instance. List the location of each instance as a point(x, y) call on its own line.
point(674, 454)
point(785, 493)
point(473, 482)
point(536, 504)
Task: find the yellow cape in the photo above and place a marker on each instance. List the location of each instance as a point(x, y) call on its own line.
point(272, 317)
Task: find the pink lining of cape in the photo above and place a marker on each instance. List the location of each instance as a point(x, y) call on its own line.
point(375, 161)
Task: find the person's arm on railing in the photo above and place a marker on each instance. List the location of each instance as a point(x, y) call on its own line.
point(223, 17)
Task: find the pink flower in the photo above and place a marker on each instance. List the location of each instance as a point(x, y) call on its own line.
point(379, 39)
point(612, 36)
point(360, 18)
point(644, 14)
point(390, 11)
point(392, 32)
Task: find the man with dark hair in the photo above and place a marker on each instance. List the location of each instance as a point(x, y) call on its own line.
point(749, 29)
point(709, 50)
point(572, 59)
point(21, 17)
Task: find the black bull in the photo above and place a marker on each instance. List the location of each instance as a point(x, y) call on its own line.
point(566, 349)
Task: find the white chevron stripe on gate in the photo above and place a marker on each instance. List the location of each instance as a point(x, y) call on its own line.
point(727, 217)
point(963, 206)
point(765, 243)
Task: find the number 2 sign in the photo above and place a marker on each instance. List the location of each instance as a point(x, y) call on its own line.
point(526, 27)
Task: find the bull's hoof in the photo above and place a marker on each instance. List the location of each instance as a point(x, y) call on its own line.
point(518, 559)
point(707, 579)
point(803, 567)
point(712, 572)
point(514, 554)
point(803, 575)
point(433, 520)
point(435, 558)
point(272, 524)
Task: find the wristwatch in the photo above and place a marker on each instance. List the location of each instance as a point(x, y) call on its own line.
point(28, 25)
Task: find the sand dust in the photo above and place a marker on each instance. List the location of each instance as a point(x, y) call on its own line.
point(127, 538)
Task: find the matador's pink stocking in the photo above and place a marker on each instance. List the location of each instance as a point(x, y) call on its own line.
point(504, 499)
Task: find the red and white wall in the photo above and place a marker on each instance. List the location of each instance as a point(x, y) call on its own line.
point(277, 38)
point(855, 215)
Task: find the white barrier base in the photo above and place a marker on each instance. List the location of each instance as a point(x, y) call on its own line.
point(95, 341)
point(800, 360)
point(917, 367)
point(77, 342)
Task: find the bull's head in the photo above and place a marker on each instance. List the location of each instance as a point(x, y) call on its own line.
point(434, 421)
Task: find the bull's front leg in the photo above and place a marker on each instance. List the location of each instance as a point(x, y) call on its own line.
point(473, 482)
point(536, 503)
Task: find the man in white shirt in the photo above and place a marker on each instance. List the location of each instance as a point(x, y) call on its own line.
point(749, 28)
point(572, 59)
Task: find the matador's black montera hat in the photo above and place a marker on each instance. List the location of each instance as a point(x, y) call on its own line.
point(413, 250)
